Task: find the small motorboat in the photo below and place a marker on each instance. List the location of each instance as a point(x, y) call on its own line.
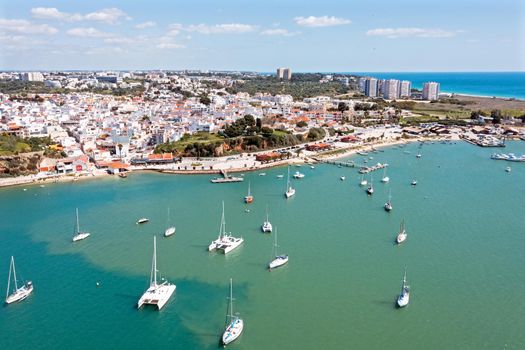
point(142, 221)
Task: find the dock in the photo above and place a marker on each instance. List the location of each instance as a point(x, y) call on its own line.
point(226, 178)
point(350, 164)
point(369, 169)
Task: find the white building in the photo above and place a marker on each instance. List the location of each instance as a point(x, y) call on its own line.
point(406, 88)
point(371, 87)
point(284, 73)
point(391, 89)
point(431, 91)
point(32, 76)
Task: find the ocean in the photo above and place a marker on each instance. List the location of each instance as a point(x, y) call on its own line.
point(464, 258)
point(499, 84)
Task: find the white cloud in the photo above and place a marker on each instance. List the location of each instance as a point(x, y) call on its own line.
point(54, 13)
point(120, 40)
point(164, 46)
point(279, 31)
point(25, 27)
point(88, 33)
point(144, 25)
point(323, 21)
point(394, 33)
point(215, 29)
point(108, 15)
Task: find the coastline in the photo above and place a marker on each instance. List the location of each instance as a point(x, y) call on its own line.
point(32, 180)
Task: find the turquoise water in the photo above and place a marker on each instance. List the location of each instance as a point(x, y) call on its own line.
point(499, 84)
point(464, 256)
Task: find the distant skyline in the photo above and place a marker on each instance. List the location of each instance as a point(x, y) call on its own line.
point(261, 35)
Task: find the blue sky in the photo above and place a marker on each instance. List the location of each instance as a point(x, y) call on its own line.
point(260, 35)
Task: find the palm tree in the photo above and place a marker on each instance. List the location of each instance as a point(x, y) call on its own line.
point(120, 150)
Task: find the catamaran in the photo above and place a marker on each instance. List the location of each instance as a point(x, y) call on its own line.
point(156, 294)
point(388, 205)
point(225, 242)
point(267, 225)
point(79, 235)
point(385, 178)
point(370, 189)
point(235, 324)
point(248, 198)
point(290, 191)
point(402, 235)
point(171, 229)
point(404, 296)
point(279, 260)
point(17, 294)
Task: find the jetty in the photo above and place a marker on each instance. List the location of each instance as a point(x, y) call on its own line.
point(226, 178)
point(369, 169)
point(350, 164)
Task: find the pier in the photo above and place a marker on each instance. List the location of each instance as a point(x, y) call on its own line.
point(369, 169)
point(350, 164)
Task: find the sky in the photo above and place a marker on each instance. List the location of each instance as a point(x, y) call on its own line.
point(261, 35)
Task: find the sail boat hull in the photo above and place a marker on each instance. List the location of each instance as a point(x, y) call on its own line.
point(278, 262)
point(233, 331)
point(20, 294)
point(80, 236)
point(169, 231)
point(403, 299)
point(157, 295)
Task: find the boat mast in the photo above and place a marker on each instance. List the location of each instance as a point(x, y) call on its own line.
point(153, 274)
point(230, 314)
point(9, 280)
point(78, 223)
point(275, 242)
point(404, 279)
point(223, 223)
point(168, 216)
point(249, 189)
point(288, 180)
point(266, 213)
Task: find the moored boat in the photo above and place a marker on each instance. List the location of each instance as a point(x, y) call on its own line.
point(267, 225)
point(157, 294)
point(402, 235)
point(404, 297)
point(18, 293)
point(280, 259)
point(235, 324)
point(79, 235)
point(248, 198)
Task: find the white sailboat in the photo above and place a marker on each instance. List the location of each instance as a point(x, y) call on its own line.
point(370, 189)
point(404, 297)
point(363, 181)
point(279, 260)
point(290, 191)
point(171, 229)
point(157, 294)
point(235, 324)
point(388, 205)
point(225, 242)
point(80, 235)
point(267, 225)
point(385, 178)
point(17, 294)
point(402, 235)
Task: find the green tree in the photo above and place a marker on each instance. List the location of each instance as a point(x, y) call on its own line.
point(301, 124)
